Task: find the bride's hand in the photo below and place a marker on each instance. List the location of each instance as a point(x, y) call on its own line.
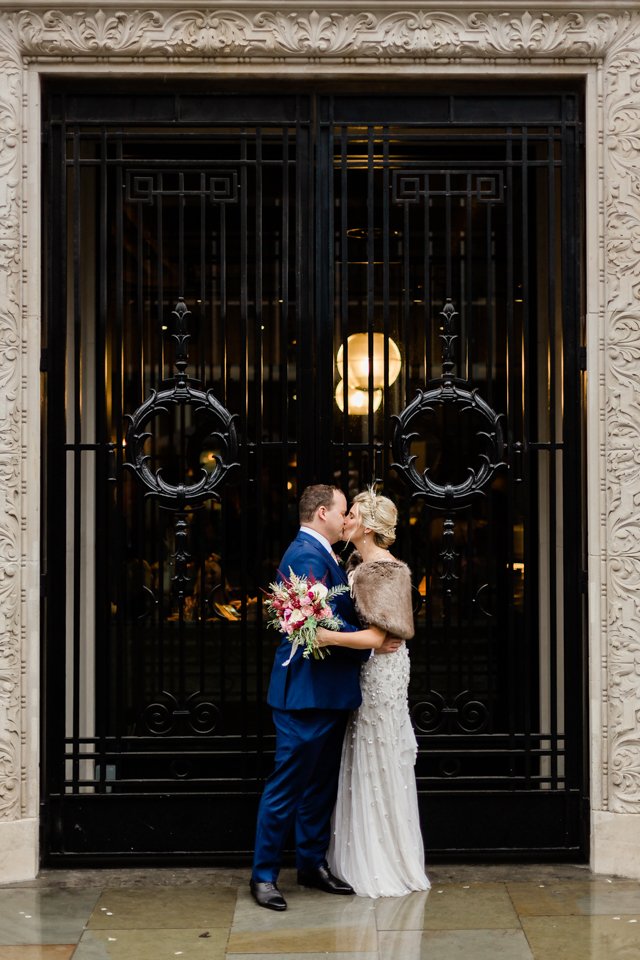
point(324, 638)
point(390, 645)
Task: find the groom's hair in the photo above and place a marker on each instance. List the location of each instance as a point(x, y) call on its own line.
point(318, 495)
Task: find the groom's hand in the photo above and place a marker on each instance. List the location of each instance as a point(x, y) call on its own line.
point(389, 645)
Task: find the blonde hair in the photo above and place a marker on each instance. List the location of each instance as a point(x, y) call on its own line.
point(379, 514)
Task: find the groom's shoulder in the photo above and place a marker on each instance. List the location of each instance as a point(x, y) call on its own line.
point(304, 555)
point(301, 544)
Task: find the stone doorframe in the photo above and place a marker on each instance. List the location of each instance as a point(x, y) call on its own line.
point(597, 42)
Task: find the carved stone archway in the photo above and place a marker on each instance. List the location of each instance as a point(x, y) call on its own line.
point(600, 43)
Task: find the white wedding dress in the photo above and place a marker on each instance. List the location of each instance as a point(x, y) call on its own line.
point(376, 843)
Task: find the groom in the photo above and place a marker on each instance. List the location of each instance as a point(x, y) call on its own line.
point(311, 701)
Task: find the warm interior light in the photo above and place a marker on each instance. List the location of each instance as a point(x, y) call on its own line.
point(358, 361)
point(357, 400)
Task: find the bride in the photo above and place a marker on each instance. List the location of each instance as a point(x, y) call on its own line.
point(376, 844)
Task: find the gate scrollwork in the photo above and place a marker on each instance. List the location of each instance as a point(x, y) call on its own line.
point(465, 713)
point(194, 711)
point(181, 391)
point(454, 393)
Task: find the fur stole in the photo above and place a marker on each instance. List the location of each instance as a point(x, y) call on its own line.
point(381, 590)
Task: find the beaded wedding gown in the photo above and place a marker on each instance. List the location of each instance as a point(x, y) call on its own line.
point(376, 844)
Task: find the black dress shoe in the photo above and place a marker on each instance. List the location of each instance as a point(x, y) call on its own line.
point(321, 878)
point(267, 895)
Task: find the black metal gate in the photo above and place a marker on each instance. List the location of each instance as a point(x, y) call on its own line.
point(248, 293)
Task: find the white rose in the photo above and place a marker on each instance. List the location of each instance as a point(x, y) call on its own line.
point(319, 590)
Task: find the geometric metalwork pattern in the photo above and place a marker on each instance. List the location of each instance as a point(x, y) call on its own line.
point(218, 186)
point(413, 186)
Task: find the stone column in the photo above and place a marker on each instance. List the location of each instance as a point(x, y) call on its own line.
point(18, 610)
point(616, 825)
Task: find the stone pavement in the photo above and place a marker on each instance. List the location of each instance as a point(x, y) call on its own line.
point(505, 912)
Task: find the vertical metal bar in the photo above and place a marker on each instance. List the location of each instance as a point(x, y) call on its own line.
point(553, 498)
point(386, 306)
point(527, 403)
point(77, 457)
point(344, 290)
point(326, 177)
point(287, 168)
point(467, 336)
point(54, 652)
point(225, 520)
point(324, 297)
point(102, 679)
point(492, 313)
point(426, 299)
point(205, 332)
point(183, 521)
point(181, 201)
point(159, 523)
point(206, 338)
point(406, 285)
point(302, 329)
point(140, 652)
point(247, 463)
point(258, 380)
point(308, 394)
point(370, 291)
point(576, 697)
point(447, 230)
point(512, 364)
point(467, 332)
point(117, 353)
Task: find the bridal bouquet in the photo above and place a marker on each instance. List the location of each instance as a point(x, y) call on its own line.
point(297, 606)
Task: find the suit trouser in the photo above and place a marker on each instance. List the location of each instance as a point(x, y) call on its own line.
point(302, 788)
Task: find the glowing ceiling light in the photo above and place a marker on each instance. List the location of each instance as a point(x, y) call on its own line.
point(358, 360)
point(357, 400)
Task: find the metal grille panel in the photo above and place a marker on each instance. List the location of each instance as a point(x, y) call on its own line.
point(383, 289)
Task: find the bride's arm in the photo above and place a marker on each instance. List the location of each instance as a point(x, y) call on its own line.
point(371, 638)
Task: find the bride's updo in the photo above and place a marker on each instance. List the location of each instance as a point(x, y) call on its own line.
point(379, 514)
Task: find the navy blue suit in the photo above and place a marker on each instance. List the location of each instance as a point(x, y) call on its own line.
point(311, 701)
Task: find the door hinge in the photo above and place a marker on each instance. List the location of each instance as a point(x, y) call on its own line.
point(584, 581)
point(582, 358)
point(44, 361)
point(43, 585)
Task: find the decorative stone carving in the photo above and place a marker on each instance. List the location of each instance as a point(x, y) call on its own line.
point(622, 346)
point(10, 727)
point(11, 253)
point(401, 37)
point(309, 34)
point(9, 561)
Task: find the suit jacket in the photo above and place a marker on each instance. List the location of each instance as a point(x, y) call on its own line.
point(334, 682)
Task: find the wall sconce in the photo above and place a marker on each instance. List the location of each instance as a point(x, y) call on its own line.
point(358, 371)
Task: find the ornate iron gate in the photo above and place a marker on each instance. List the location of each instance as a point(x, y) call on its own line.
point(249, 293)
